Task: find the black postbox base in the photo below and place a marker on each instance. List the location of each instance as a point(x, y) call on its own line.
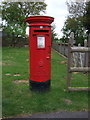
point(40, 86)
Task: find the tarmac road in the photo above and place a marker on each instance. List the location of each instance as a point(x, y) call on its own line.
point(65, 114)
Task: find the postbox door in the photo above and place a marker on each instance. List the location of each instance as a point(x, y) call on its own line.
point(42, 58)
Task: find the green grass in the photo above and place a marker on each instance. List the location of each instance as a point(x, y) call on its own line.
point(18, 99)
point(0, 82)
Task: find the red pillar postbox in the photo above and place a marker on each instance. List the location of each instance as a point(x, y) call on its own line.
point(40, 51)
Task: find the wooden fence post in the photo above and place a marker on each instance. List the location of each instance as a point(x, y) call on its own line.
point(61, 47)
point(78, 57)
point(89, 52)
point(86, 55)
point(70, 44)
point(64, 48)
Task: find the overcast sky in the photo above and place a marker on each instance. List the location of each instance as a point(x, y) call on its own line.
point(58, 10)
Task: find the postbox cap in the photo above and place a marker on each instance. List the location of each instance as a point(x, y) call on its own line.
point(39, 19)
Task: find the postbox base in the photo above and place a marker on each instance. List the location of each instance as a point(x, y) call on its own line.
point(40, 86)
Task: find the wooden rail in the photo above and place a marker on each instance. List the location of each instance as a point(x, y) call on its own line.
point(78, 88)
point(80, 49)
point(79, 69)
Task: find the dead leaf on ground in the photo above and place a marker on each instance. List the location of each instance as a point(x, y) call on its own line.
point(65, 77)
point(0, 63)
point(8, 74)
point(63, 62)
point(67, 101)
point(21, 81)
point(16, 75)
point(75, 72)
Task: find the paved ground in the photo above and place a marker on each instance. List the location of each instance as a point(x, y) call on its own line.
point(57, 115)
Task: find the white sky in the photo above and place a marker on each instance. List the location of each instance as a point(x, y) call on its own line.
point(58, 10)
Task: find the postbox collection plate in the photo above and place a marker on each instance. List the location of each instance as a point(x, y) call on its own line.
point(41, 42)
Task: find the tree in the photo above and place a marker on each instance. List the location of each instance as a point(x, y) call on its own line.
point(76, 9)
point(80, 10)
point(86, 17)
point(76, 26)
point(74, 22)
point(54, 34)
point(13, 15)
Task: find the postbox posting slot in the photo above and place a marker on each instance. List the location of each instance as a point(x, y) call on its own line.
point(40, 30)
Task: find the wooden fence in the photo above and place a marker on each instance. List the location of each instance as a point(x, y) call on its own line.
point(61, 47)
point(79, 59)
point(72, 49)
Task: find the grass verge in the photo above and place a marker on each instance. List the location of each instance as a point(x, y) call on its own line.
point(18, 99)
